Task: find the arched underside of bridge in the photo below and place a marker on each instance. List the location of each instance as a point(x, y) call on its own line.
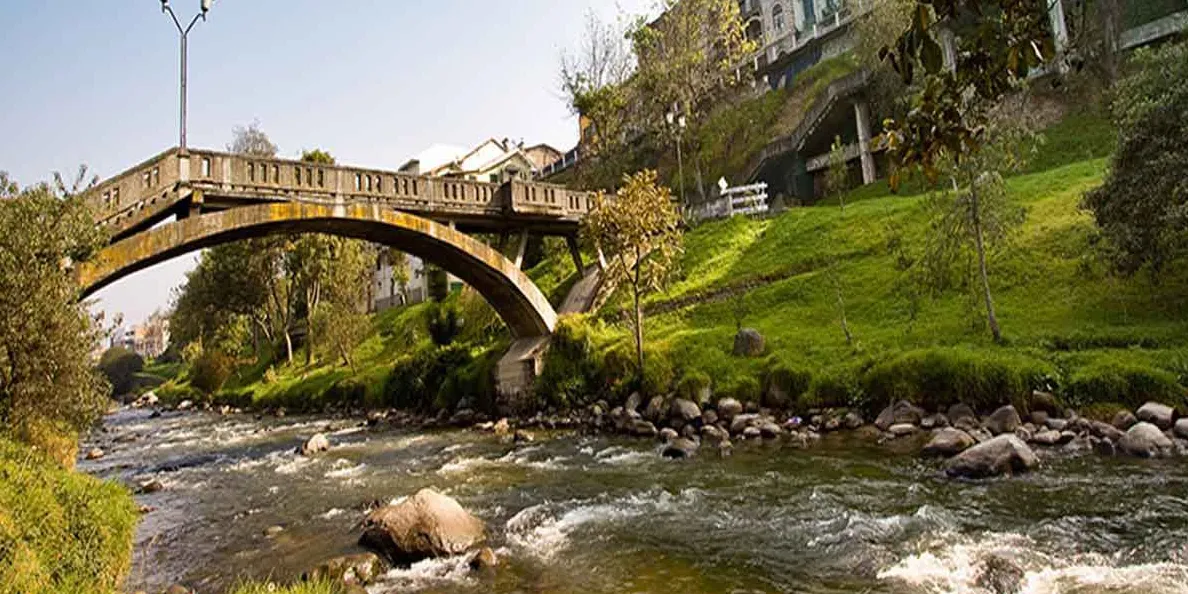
point(510, 292)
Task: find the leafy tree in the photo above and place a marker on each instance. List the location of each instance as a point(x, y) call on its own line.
point(340, 328)
point(639, 231)
point(120, 365)
point(837, 178)
point(211, 370)
point(1142, 208)
point(997, 44)
point(975, 215)
point(687, 60)
point(46, 334)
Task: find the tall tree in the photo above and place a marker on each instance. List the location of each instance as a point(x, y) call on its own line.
point(688, 60)
point(47, 384)
point(1142, 208)
point(251, 140)
point(640, 232)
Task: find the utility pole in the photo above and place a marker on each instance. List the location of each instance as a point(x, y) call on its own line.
point(184, 34)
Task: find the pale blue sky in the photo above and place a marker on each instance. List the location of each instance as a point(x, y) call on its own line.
point(373, 82)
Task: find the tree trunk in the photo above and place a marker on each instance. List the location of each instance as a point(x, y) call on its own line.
point(288, 347)
point(977, 223)
point(841, 306)
point(639, 354)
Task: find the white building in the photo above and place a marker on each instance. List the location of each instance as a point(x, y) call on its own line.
point(492, 161)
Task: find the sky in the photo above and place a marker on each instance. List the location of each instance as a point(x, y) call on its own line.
point(373, 82)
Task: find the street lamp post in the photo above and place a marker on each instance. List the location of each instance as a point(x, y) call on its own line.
point(678, 123)
point(184, 33)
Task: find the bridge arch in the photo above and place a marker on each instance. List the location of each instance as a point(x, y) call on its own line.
point(510, 292)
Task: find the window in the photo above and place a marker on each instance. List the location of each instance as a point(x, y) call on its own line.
point(810, 13)
point(205, 166)
point(777, 18)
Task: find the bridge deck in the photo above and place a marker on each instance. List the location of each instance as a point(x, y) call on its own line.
point(175, 184)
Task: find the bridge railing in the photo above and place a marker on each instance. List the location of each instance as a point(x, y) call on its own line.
point(123, 196)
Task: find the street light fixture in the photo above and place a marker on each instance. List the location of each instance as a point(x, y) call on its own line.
point(184, 33)
point(677, 122)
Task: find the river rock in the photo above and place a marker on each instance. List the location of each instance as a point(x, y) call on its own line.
point(1056, 424)
point(1004, 420)
point(1048, 437)
point(273, 531)
point(427, 524)
point(94, 454)
point(901, 429)
point(948, 442)
point(1047, 402)
point(748, 343)
point(852, 420)
point(1039, 418)
point(316, 444)
point(962, 413)
point(1005, 454)
point(1103, 446)
point(149, 487)
point(728, 408)
point(1105, 431)
point(770, 430)
point(690, 431)
point(752, 433)
point(713, 434)
point(502, 428)
point(634, 401)
point(361, 568)
point(522, 436)
point(185, 405)
point(684, 410)
point(741, 422)
point(898, 413)
point(935, 421)
point(483, 559)
point(679, 448)
point(709, 417)
point(1124, 420)
point(1180, 429)
point(655, 410)
point(668, 434)
point(1160, 415)
point(178, 589)
point(642, 428)
point(1145, 440)
point(1000, 575)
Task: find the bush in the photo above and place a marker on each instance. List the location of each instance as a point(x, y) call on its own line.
point(60, 531)
point(658, 375)
point(444, 323)
point(936, 378)
point(120, 366)
point(784, 384)
point(571, 373)
point(1126, 383)
point(745, 389)
point(211, 370)
point(415, 381)
point(838, 388)
point(347, 393)
point(171, 393)
point(693, 385)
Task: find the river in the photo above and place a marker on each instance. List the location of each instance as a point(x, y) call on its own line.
point(573, 513)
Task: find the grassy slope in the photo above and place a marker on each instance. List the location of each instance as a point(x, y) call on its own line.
point(1053, 296)
point(60, 531)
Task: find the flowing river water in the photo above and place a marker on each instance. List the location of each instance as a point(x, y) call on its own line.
point(574, 513)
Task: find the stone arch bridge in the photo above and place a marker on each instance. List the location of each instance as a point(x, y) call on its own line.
point(217, 197)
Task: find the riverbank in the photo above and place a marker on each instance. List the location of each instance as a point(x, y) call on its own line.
point(578, 511)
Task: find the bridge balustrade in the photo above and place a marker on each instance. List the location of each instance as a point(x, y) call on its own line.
point(145, 185)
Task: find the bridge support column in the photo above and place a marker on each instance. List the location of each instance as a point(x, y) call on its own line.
point(575, 252)
point(521, 247)
point(862, 117)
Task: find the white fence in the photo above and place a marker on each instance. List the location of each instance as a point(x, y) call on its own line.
point(741, 200)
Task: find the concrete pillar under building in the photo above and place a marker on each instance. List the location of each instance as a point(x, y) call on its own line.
point(862, 118)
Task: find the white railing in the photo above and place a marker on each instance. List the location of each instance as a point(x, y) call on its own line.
point(746, 200)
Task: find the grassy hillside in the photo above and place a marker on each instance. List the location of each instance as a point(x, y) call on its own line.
point(60, 531)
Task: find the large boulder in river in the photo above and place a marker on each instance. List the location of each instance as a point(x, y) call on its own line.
point(1160, 415)
point(948, 442)
point(1145, 441)
point(317, 443)
point(427, 524)
point(728, 408)
point(1004, 420)
point(1180, 429)
point(684, 410)
point(361, 569)
point(899, 413)
point(1005, 454)
point(749, 343)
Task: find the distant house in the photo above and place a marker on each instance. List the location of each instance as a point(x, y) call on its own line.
point(492, 161)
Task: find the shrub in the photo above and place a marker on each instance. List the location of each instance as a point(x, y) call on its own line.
point(784, 384)
point(347, 392)
point(936, 378)
point(1129, 384)
point(171, 393)
point(693, 385)
point(60, 531)
point(415, 381)
point(837, 388)
point(571, 371)
point(444, 323)
point(211, 370)
point(120, 366)
point(658, 375)
point(745, 389)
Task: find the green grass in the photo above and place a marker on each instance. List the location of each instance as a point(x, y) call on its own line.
point(60, 531)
